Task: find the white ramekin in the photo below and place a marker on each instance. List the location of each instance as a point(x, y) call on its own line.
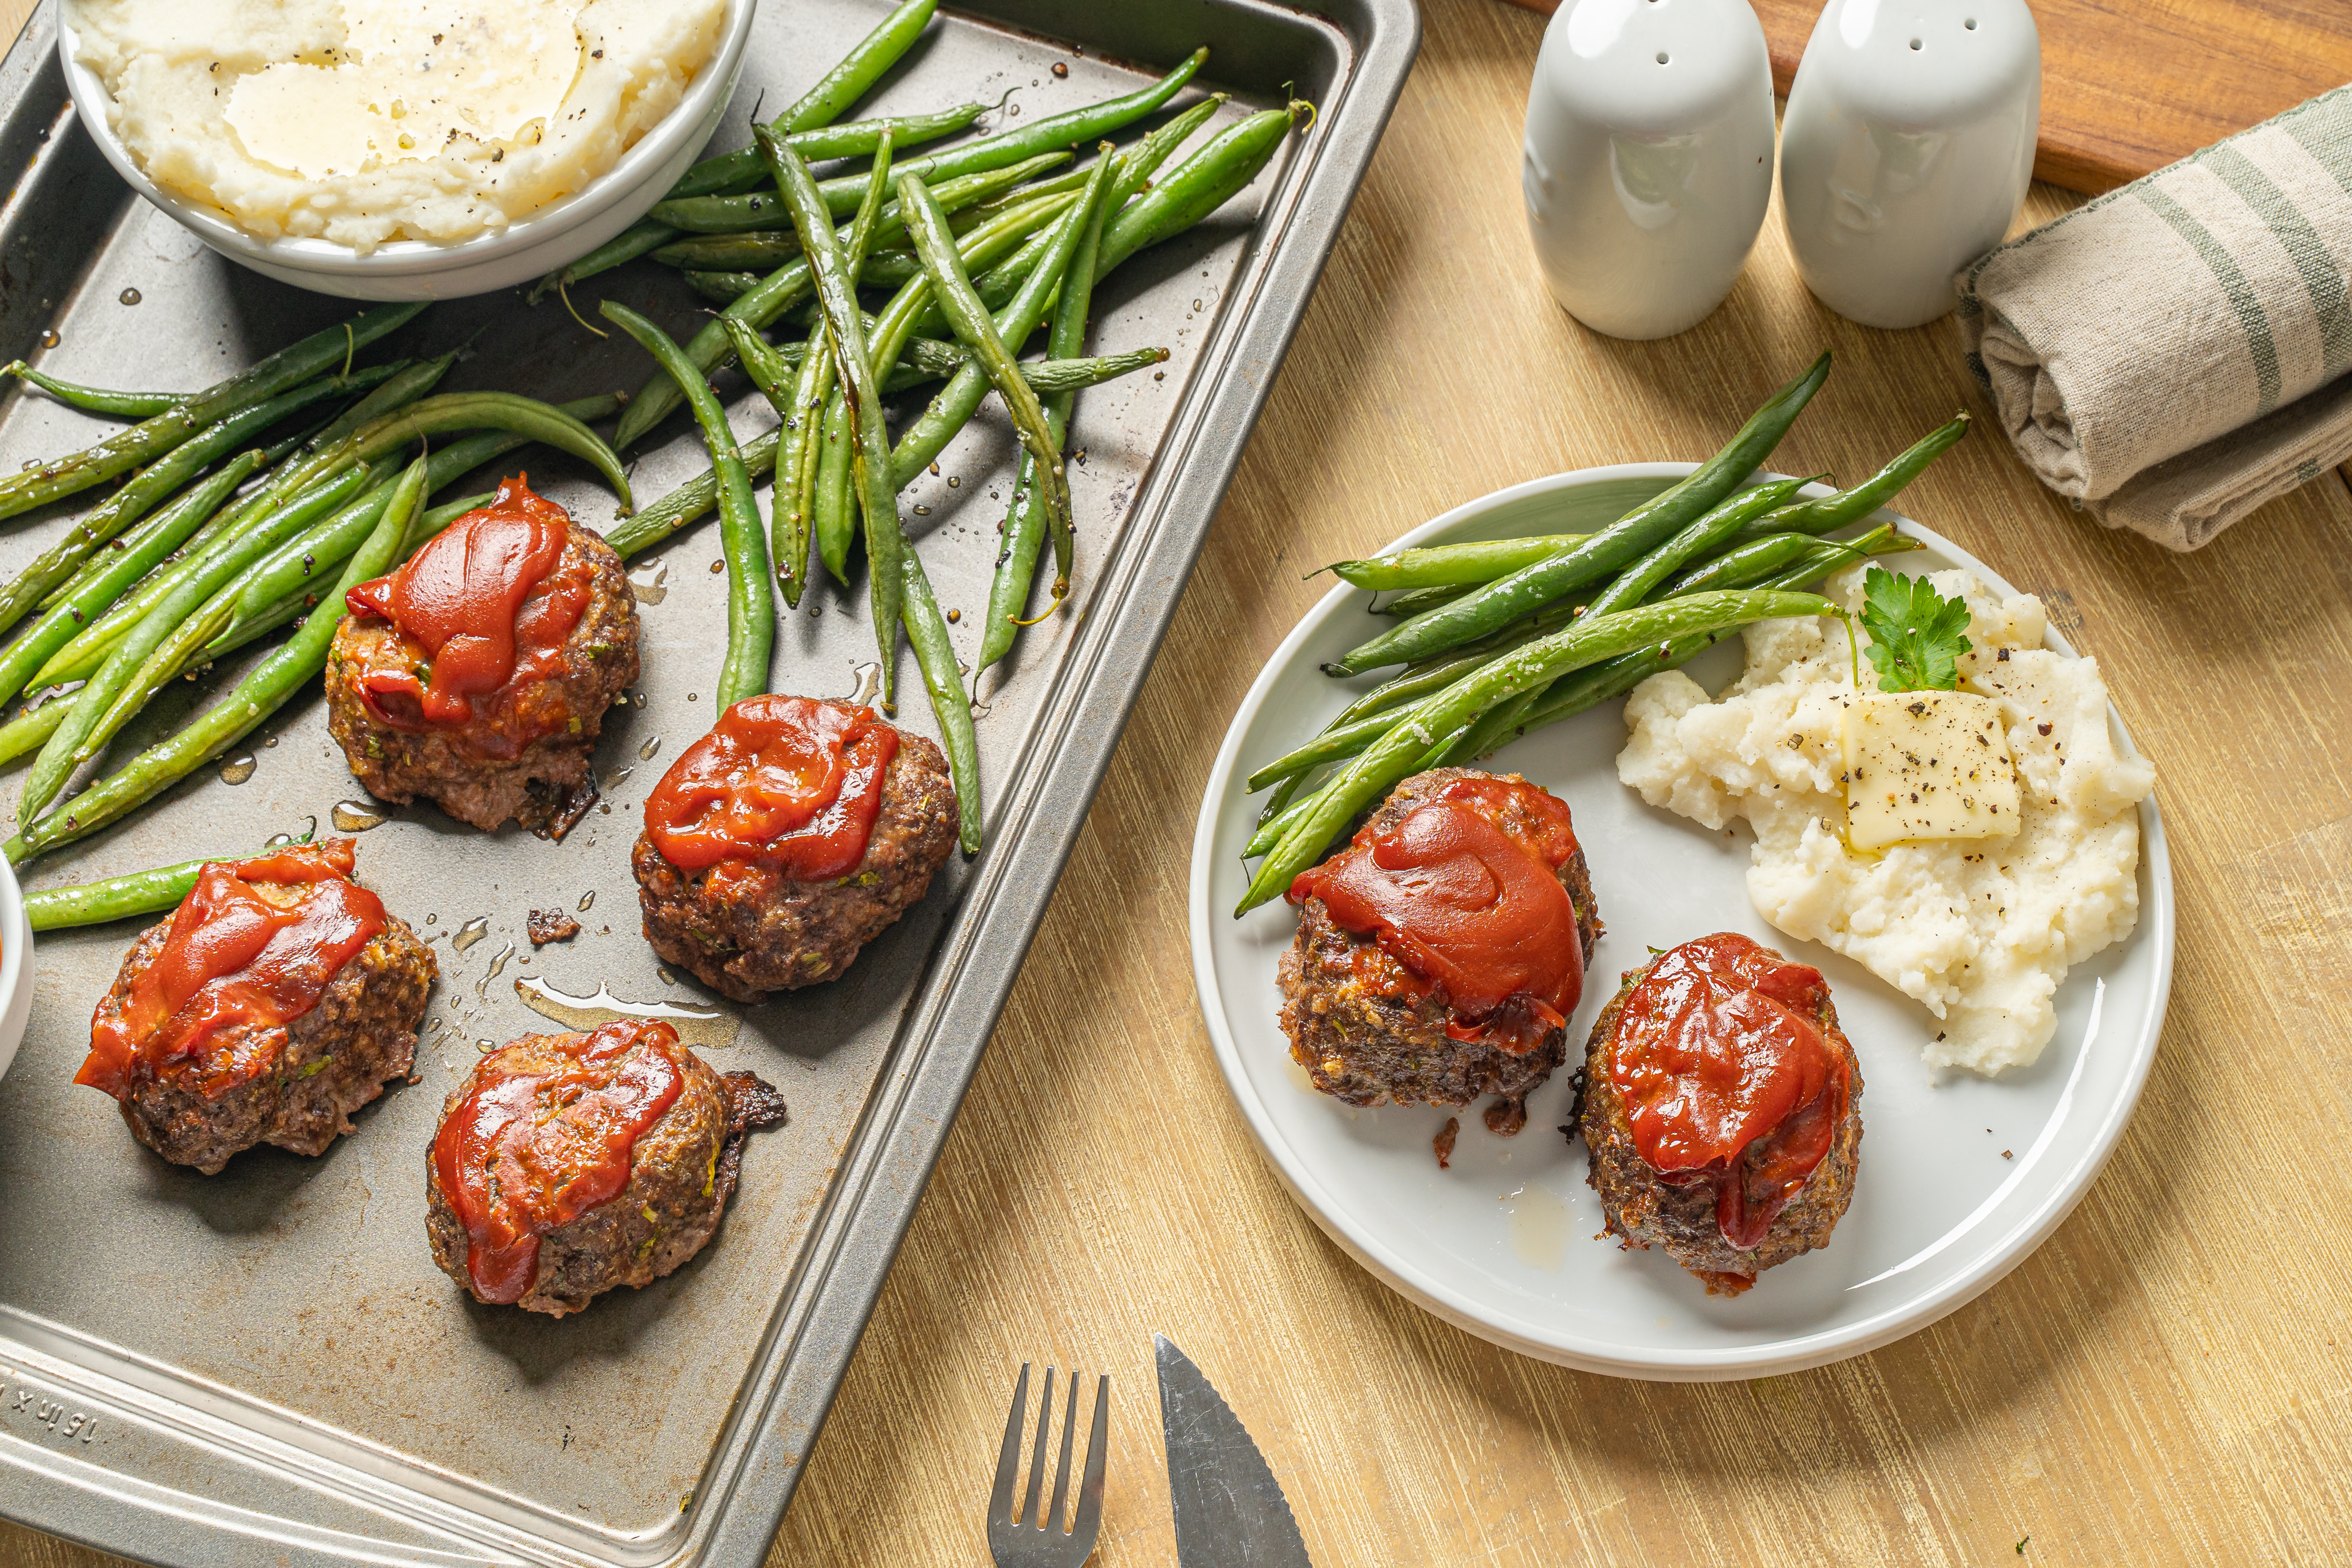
point(16, 965)
point(555, 236)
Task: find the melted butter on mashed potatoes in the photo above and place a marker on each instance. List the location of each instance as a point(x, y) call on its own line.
point(360, 121)
point(1981, 931)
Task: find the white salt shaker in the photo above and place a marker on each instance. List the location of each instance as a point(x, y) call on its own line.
point(1647, 164)
point(1907, 149)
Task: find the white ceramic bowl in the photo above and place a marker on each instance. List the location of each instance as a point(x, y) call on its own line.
point(16, 965)
point(556, 236)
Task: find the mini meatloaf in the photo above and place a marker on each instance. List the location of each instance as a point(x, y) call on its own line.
point(278, 999)
point(478, 674)
point(568, 1165)
point(1722, 1109)
point(1367, 1001)
point(787, 839)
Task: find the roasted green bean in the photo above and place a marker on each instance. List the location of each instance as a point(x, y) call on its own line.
point(1141, 162)
point(1451, 565)
point(150, 488)
point(97, 399)
point(952, 290)
point(1198, 187)
point(1507, 598)
point(1418, 601)
point(289, 368)
point(106, 704)
point(836, 286)
point(115, 898)
point(158, 537)
point(1029, 519)
point(1074, 127)
point(935, 656)
point(261, 693)
point(741, 170)
point(789, 284)
point(751, 596)
point(690, 500)
point(1586, 642)
point(1826, 514)
point(1695, 541)
point(787, 533)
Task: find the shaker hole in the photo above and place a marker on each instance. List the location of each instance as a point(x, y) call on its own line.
point(1915, 43)
point(1970, 24)
point(1661, 56)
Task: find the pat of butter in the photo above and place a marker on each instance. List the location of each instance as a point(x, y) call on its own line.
point(412, 77)
point(1926, 764)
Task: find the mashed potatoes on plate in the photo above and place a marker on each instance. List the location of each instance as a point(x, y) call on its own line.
point(360, 121)
point(1981, 931)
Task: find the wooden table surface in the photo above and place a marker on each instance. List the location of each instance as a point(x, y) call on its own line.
point(2169, 1380)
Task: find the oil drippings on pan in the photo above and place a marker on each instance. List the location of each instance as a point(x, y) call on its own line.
point(472, 931)
point(649, 581)
point(355, 817)
point(482, 986)
point(237, 769)
point(870, 685)
point(587, 901)
point(645, 753)
point(697, 1025)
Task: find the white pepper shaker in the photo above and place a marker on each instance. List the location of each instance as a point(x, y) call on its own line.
point(1907, 149)
point(1647, 164)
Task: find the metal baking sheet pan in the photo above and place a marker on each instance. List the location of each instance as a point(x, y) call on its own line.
point(265, 1365)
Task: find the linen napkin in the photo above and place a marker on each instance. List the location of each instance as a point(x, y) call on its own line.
point(2168, 355)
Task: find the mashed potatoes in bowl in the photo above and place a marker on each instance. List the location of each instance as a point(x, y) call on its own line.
point(329, 141)
point(1980, 930)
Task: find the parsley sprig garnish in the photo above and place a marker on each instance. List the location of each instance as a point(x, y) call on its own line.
point(1917, 636)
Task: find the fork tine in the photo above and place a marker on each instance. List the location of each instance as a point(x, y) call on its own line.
point(1053, 1519)
point(1037, 1458)
point(1088, 1524)
point(1008, 1462)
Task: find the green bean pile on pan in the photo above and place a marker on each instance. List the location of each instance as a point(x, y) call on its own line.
point(1498, 637)
point(225, 530)
point(967, 251)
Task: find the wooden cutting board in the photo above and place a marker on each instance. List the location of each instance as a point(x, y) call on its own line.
point(2128, 86)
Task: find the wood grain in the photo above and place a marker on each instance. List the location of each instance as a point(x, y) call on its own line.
point(2168, 1380)
point(2128, 86)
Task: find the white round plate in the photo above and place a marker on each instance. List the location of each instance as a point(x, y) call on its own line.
point(1960, 1179)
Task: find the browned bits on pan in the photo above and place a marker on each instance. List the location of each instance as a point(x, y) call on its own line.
point(551, 925)
point(1444, 1141)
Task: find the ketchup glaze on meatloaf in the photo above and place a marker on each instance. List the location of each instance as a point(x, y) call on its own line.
point(1722, 1109)
point(278, 998)
point(1439, 955)
point(478, 675)
point(568, 1165)
point(784, 840)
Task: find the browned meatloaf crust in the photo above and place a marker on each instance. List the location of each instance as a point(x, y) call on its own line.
point(600, 659)
point(1371, 1050)
point(363, 1030)
point(744, 941)
point(681, 1173)
point(1644, 1210)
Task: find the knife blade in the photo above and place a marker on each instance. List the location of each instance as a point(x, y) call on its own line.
point(1230, 1510)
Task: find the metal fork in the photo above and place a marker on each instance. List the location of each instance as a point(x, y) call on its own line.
point(1014, 1539)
